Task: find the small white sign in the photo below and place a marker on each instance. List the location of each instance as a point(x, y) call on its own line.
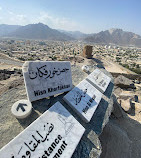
point(99, 79)
point(84, 99)
point(21, 109)
point(53, 135)
point(85, 68)
point(43, 79)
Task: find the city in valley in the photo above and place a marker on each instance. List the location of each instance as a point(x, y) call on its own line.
point(113, 57)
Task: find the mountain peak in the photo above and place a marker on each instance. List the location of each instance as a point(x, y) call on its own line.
point(41, 24)
point(38, 31)
point(114, 30)
point(115, 36)
point(38, 25)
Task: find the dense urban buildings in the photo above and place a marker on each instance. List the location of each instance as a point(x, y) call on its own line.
point(30, 50)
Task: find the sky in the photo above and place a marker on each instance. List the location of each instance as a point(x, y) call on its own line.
point(88, 16)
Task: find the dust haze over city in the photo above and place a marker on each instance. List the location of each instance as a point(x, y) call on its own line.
point(51, 30)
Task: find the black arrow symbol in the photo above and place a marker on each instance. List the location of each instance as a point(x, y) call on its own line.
point(21, 106)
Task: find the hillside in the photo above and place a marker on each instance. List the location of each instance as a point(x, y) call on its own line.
point(115, 36)
point(38, 31)
point(75, 34)
point(6, 29)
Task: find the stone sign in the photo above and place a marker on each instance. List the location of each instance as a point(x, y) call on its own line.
point(84, 99)
point(21, 109)
point(43, 79)
point(53, 135)
point(99, 79)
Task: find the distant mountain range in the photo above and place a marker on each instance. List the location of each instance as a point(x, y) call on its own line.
point(75, 34)
point(35, 31)
point(115, 36)
point(43, 32)
point(6, 29)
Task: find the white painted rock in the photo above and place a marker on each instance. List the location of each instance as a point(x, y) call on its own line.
point(55, 134)
point(21, 109)
point(46, 78)
point(85, 68)
point(84, 99)
point(99, 80)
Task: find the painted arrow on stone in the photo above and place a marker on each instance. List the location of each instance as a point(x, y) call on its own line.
point(21, 106)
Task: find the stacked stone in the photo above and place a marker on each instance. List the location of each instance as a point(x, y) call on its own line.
point(87, 51)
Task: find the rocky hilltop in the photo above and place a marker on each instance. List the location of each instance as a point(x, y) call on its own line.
point(114, 130)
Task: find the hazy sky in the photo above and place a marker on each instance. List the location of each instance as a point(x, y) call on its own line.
point(89, 16)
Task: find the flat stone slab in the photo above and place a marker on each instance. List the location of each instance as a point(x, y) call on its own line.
point(54, 134)
point(43, 79)
point(21, 109)
point(99, 80)
point(84, 99)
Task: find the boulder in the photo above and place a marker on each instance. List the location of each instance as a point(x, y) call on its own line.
point(125, 104)
point(4, 76)
point(115, 142)
point(117, 91)
point(129, 103)
point(124, 82)
point(124, 95)
point(117, 110)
